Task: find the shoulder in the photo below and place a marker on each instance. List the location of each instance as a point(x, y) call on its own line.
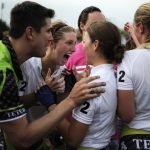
point(31, 64)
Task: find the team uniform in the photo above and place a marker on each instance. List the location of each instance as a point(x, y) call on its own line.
point(99, 113)
point(134, 74)
point(31, 70)
point(11, 107)
point(32, 77)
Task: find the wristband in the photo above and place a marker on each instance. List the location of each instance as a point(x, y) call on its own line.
point(45, 96)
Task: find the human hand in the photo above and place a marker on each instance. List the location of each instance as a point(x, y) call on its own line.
point(128, 27)
point(55, 81)
point(85, 90)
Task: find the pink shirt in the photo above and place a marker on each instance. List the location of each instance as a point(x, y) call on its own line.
point(77, 59)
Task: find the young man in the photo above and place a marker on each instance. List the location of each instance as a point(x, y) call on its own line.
point(30, 33)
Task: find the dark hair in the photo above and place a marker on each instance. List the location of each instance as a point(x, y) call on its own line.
point(3, 28)
point(83, 17)
point(109, 38)
point(28, 14)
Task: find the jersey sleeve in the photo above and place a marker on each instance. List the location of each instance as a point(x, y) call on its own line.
point(85, 112)
point(124, 74)
point(11, 107)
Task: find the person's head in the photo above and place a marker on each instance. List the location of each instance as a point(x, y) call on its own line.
point(103, 40)
point(142, 23)
point(64, 40)
point(33, 22)
point(3, 29)
point(89, 15)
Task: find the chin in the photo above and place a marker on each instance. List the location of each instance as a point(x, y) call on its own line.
point(42, 54)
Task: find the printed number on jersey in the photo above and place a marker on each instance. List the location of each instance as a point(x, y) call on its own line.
point(121, 76)
point(23, 86)
point(84, 108)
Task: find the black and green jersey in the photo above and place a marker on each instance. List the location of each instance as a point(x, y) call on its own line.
point(11, 107)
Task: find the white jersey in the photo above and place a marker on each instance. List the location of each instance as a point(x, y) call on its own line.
point(32, 77)
point(100, 112)
point(134, 74)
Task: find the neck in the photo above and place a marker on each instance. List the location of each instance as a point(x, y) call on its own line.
point(21, 49)
point(99, 61)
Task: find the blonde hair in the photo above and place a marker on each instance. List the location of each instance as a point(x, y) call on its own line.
point(143, 15)
point(58, 30)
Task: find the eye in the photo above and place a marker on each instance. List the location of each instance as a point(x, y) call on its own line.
point(69, 42)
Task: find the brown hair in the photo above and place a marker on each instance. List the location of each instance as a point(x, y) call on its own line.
point(58, 30)
point(110, 40)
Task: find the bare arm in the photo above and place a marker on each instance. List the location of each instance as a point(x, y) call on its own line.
point(128, 27)
point(24, 134)
point(126, 106)
point(73, 132)
point(28, 100)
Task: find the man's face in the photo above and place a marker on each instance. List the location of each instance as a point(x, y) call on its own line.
point(42, 39)
point(95, 16)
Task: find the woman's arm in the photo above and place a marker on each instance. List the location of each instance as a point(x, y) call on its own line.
point(73, 132)
point(126, 105)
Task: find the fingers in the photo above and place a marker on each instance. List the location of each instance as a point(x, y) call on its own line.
point(96, 85)
point(66, 71)
point(94, 88)
point(89, 79)
point(48, 74)
point(87, 71)
point(97, 90)
point(58, 85)
point(39, 86)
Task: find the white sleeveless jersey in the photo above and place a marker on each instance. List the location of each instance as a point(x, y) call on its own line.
point(134, 74)
point(99, 113)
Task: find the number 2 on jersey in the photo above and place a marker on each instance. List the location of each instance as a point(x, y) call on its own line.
point(23, 86)
point(122, 74)
point(86, 105)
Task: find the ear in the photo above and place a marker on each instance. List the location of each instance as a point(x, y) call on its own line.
point(82, 26)
point(29, 33)
point(96, 45)
point(141, 28)
point(52, 44)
